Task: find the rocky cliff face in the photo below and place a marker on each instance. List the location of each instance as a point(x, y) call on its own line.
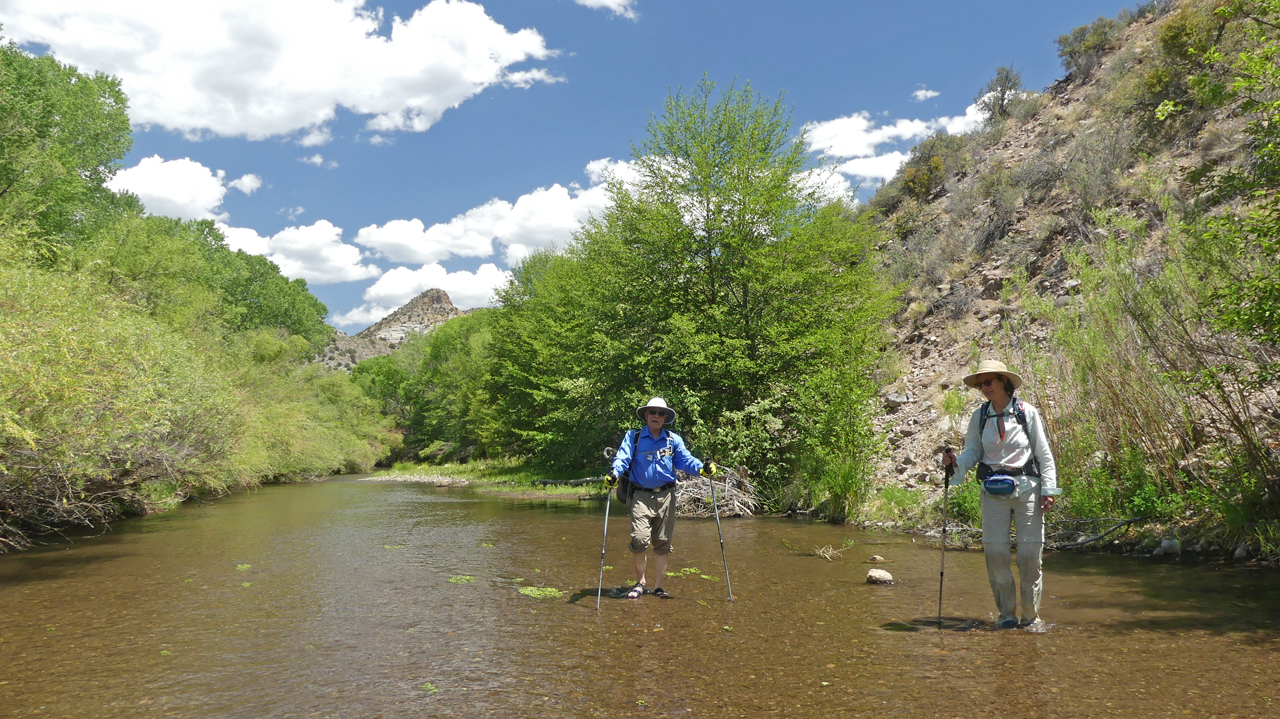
point(1021, 197)
point(418, 316)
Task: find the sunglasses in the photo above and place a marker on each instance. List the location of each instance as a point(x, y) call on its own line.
point(990, 381)
point(662, 412)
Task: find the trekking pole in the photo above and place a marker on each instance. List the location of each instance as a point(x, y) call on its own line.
point(720, 532)
point(608, 497)
point(942, 571)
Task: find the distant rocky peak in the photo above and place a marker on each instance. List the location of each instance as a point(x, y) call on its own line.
point(420, 314)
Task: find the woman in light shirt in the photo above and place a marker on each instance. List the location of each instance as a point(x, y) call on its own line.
point(1007, 443)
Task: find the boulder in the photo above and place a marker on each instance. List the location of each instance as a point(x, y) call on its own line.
point(1242, 551)
point(896, 399)
point(879, 576)
point(1171, 546)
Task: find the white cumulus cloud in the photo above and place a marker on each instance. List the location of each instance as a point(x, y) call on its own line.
point(623, 8)
point(858, 138)
point(248, 184)
point(880, 168)
point(255, 69)
point(544, 217)
point(315, 253)
point(924, 93)
point(182, 188)
point(399, 285)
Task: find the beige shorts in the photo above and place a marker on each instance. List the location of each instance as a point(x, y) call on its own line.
point(653, 516)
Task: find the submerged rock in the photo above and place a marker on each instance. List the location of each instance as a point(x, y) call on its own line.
point(879, 576)
point(876, 558)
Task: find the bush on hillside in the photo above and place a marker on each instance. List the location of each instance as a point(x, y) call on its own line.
point(1083, 48)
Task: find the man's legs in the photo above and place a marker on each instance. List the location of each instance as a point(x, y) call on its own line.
point(643, 514)
point(659, 568)
point(997, 516)
point(641, 559)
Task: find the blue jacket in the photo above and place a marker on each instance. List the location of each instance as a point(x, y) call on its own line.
point(656, 459)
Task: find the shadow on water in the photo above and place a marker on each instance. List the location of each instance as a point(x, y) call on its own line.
point(949, 624)
point(1175, 597)
point(590, 592)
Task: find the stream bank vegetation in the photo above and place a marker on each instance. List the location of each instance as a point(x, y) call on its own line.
point(142, 362)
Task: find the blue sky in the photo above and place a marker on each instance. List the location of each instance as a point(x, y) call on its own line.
point(331, 143)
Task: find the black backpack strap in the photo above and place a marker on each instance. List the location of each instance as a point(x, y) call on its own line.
point(1032, 467)
point(982, 418)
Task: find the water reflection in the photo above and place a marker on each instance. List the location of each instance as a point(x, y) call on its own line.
point(345, 608)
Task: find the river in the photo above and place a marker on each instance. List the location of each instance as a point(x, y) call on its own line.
point(334, 599)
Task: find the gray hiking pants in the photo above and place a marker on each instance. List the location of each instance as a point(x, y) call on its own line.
point(1024, 514)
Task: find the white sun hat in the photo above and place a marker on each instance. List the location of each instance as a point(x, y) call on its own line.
point(657, 403)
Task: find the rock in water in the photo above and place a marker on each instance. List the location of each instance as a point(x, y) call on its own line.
point(1171, 546)
point(879, 576)
point(876, 558)
point(1242, 551)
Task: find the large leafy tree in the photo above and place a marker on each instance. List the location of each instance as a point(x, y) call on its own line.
point(720, 277)
point(62, 133)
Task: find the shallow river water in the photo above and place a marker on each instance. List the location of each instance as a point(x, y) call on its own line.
point(334, 600)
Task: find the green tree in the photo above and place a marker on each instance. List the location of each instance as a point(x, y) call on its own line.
point(999, 94)
point(62, 134)
point(720, 278)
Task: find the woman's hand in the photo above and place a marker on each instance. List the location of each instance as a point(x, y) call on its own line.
point(1046, 503)
point(948, 458)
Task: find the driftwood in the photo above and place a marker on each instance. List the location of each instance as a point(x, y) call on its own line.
point(734, 494)
point(570, 482)
point(1090, 539)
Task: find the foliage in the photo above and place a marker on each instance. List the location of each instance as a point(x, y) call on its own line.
point(98, 403)
point(445, 396)
point(718, 279)
point(997, 97)
point(1082, 48)
point(61, 135)
point(144, 361)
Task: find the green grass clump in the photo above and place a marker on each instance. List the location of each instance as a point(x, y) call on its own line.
point(462, 579)
point(541, 592)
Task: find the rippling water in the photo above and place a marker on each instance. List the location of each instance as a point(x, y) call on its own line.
point(333, 600)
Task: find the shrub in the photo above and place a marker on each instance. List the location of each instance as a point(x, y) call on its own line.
point(1083, 48)
point(1000, 94)
point(102, 410)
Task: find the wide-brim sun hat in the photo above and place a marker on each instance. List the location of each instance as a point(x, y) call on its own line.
point(992, 367)
point(656, 403)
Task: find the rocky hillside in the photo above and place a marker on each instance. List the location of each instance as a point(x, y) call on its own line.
point(1050, 240)
point(419, 315)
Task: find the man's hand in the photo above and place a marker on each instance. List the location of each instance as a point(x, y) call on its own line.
point(1046, 503)
point(709, 469)
point(611, 479)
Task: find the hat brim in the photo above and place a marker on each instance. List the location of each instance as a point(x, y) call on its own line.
point(671, 414)
point(972, 379)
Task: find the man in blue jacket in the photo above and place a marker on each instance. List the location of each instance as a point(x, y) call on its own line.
point(657, 454)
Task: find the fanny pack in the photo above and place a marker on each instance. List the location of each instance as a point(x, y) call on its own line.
point(999, 485)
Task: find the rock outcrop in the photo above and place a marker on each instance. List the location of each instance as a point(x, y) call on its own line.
point(418, 316)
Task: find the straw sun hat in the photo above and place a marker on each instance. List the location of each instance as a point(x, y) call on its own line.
point(992, 367)
point(657, 403)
